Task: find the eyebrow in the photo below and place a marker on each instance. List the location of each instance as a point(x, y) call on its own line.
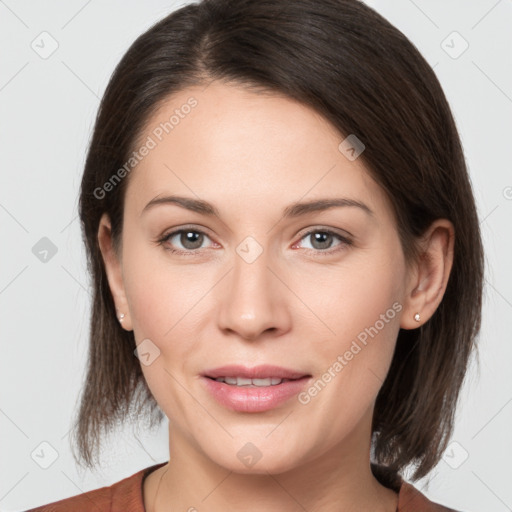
point(291, 211)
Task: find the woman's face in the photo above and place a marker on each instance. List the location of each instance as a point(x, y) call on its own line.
point(315, 291)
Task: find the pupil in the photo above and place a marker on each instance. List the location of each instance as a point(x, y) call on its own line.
point(322, 237)
point(191, 237)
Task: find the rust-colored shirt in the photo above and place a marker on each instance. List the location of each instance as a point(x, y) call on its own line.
point(126, 496)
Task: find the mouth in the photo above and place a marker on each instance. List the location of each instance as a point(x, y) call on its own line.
point(256, 389)
point(253, 383)
point(256, 374)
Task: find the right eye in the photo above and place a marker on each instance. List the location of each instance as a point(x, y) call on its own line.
point(191, 240)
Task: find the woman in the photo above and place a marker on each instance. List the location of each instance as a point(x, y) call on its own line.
point(286, 260)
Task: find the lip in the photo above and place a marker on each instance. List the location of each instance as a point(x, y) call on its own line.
point(257, 372)
point(253, 399)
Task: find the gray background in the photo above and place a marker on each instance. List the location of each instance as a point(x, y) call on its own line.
point(47, 107)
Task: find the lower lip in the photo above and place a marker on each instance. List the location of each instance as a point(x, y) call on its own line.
point(253, 399)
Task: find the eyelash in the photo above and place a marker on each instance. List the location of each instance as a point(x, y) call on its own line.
point(345, 242)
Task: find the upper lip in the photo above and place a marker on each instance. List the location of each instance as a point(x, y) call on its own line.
point(256, 372)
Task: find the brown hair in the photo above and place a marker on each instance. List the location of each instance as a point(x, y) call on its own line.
point(351, 65)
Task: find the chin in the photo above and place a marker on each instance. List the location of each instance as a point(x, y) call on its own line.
point(253, 459)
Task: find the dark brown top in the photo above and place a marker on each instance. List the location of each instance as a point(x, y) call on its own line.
point(126, 495)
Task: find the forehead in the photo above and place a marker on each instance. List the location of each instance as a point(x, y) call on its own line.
point(238, 147)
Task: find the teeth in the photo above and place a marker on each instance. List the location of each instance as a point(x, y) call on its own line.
point(243, 381)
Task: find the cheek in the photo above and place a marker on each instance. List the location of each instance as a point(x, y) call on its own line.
point(348, 298)
point(162, 301)
point(167, 305)
point(160, 294)
point(357, 307)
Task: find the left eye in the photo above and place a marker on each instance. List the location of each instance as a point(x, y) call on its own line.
point(322, 240)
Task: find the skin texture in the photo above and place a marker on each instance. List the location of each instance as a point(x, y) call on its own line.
point(300, 304)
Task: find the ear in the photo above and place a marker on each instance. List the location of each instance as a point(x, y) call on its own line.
point(113, 269)
point(429, 275)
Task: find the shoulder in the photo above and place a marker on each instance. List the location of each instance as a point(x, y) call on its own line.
point(120, 496)
point(411, 499)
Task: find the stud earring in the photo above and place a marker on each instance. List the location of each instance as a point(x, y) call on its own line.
point(121, 317)
point(417, 317)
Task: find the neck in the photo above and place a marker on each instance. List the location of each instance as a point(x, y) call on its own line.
point(340, 479)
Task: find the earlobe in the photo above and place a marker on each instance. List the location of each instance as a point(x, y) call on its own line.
point(430, 275)
point(113, 269)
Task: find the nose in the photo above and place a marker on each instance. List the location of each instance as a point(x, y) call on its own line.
point(253, 301)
